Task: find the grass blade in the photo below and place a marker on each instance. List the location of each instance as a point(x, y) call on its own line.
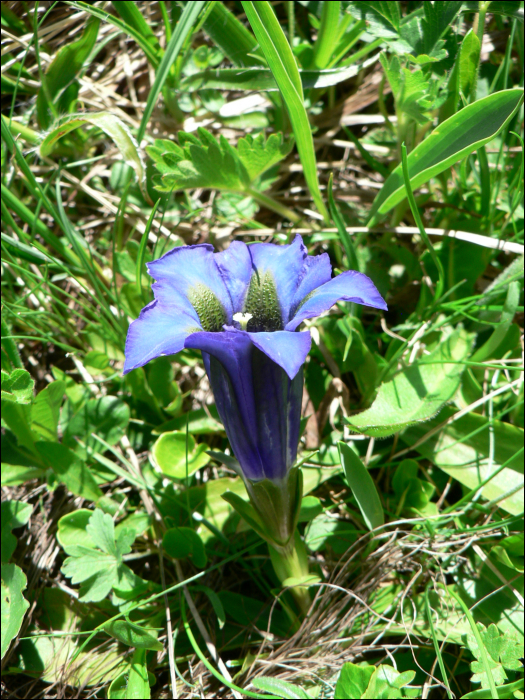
point(282, 63)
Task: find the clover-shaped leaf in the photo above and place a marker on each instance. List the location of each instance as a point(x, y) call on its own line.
point(101, 567)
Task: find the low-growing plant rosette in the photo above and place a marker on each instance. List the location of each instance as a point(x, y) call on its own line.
point(243, 309)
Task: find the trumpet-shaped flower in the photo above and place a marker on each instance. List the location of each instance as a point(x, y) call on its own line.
point(243, 308)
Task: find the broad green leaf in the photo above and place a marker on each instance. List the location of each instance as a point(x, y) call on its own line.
point(462, 450)
point(20, 384)
point(17, 416)
point(169, 453)
point(113, 127)
point(72, 529)
point(353, 681)
point(281, 689)
point(70, 469)
point(14, 514)
point(311, 507)
point(261, 78)
point(202, 161)
point(183, 542)
point(15, 474)
point(464, 132)
point(418, 391)
point(132, 635)
point(282, 63)
point(135, 682)
point(14, 605)
point(363, 487)
point(63, 71)
point(326, 529)
point(46, 411)
point(107, 416)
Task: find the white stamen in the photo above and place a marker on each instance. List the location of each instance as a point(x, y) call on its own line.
point(242, 319)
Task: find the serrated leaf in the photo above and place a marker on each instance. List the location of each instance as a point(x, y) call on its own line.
point(203, 161)
point(504, 651)
point(417, 392)
point(99, 569)
point(19, 383)
point(14, 605)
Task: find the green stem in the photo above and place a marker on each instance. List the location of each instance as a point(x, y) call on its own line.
point(291, 562)
point(275, 206)
point(291, 20)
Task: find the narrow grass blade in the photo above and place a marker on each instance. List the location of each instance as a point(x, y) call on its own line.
point(464, 132)
point(231, 36)
point(282, 63)
point(327, 36)
point(142, 248)
point(184, 26)
point(363, 487)
point(436, 644)
point(341, 228)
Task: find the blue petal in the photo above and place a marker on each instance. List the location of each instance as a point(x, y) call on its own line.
point(259, 405)
point(288, 350)
point(185, 268)
point(316, 272)
point(348, 286)
point(284, 263)
point(157, 331)
point(235, 266)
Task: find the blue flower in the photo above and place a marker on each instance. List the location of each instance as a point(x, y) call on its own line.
point(242, 308)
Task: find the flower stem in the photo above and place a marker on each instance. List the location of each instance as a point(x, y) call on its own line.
point(275, 206)
point(291, 562)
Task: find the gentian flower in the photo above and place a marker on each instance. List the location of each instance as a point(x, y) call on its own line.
point(242, 308)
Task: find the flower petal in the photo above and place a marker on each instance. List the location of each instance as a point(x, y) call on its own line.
point(348, 286)
point(189, 276)
point(288, 350)
point(317, 271)
point(235, 266)
point(284, 264)
point(157, 331)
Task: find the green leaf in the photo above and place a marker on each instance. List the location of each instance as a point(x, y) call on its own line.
point(20, 384)
point(418, 391)
point(183, 542)
point(363, 487)
point(113, 127)
point(282, 689)
point(135, 682)
point(504, 651)
point(99, 567)
point(326, 529)
point(386, 682)
point(383, 18)
point(17, 416)
point(231, 36)
point(72, 529)
point(202, 161)
point(169, 452)
point(311, 507)
point(464, 132)
point(132, 635)
point(216, 604)
point(15, 475)
point(411, 89)
point(424, 35)
point(462, 450)
point(46, 411)
point(63, 70)
point(107, 416)
point(283, 65)
point(14, 514)
point(353, 680)
point(14, 605)
point(70, 469)
point(259, 78)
